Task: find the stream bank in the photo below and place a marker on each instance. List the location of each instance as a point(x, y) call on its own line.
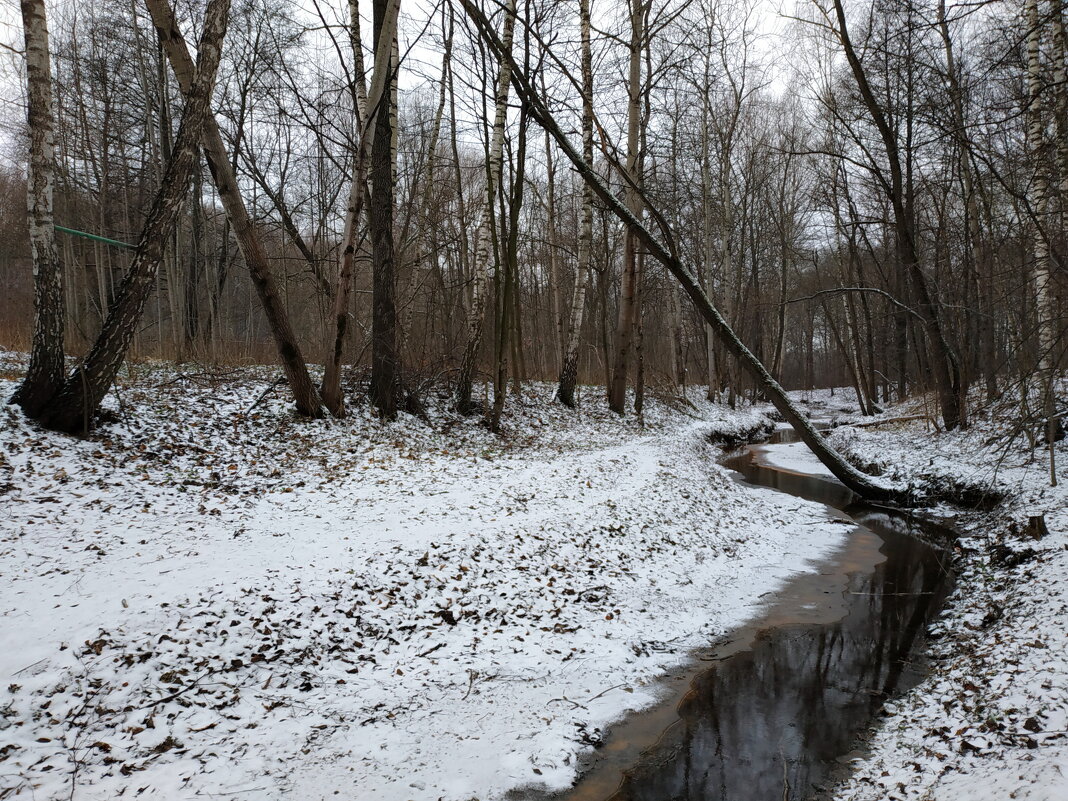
point(773, 710)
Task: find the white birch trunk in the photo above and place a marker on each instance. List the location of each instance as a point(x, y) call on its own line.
point(483, 265)
point(46, 370)
point(1041, 275)
point(569, 368)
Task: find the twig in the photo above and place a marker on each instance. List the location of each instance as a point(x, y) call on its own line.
point(174, 695)
point(270, 388)
point(429, 651)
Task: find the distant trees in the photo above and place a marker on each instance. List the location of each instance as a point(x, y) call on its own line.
point(877, 200)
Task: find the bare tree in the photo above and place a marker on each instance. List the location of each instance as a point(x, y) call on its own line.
point(476, 314)
point(366, 114)
point(73, 408)
point(222, 172)
point(666, 255)
point(385, 358)
point(569, 367)
point(45, 374)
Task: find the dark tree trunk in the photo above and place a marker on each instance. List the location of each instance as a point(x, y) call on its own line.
point(74, 407)
point(385, 360)
point(222, 172)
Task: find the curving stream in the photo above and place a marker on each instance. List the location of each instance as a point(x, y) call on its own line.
point(776, 710)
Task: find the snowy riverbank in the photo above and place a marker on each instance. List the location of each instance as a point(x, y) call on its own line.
point(990, 721)
point(200, 600)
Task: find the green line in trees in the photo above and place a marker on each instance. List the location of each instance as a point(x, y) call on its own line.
point(95, 238)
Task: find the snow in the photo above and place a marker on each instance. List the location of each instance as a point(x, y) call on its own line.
point(794, 457)
point(203, 599)
point(991, 721)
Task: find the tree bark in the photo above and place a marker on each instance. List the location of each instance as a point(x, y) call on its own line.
point(222, 172)
point(565, 391)
point(73, 408)
point(385, 359)
point(366, 112)
point(476, 314)
point(44, 378)
point(617, 389)
point(1041, 275)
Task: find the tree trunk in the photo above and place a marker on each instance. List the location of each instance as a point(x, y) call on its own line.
point(74, 407)
point(366, 110)
point(222, 173)
point(1041, 276)
point(44, 378)
point(476, 314)
point(951, 393)
point(565, 391)
point(385, 360)
point(617, 390)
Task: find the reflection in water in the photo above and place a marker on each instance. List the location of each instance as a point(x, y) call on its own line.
point(771, 720)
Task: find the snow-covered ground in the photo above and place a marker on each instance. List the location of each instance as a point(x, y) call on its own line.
point(207, 601)
point(991, 722)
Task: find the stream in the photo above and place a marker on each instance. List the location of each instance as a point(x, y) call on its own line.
point(776, 711)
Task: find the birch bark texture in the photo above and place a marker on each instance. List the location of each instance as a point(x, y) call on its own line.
point(1041, 275)
point(73, 408)
point(44, 378)
point(483, 267)
point(565, 391)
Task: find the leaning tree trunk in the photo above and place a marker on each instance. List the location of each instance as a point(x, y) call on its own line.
point(863, 484)
point(476, 314)
point(304, 393)
point(569, 367)
point(74, 407)
point(44, 378)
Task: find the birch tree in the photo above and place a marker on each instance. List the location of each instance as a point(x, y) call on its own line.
point(569, 367)
point(45, 374)
point(1040, 203)
point(73, 408)
point(483, 266)
point(628, 300)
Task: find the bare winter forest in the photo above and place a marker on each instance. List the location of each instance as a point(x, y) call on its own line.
point(440, 306)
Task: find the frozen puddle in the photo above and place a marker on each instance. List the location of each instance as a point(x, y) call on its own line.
point(775, 710)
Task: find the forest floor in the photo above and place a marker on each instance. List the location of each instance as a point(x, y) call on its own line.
point(991, 721)
point(206, 599)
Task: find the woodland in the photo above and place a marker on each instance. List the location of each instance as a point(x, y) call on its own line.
point(404, 335)
point(871, 196)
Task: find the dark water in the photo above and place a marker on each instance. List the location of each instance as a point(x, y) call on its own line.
point(786, 700)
